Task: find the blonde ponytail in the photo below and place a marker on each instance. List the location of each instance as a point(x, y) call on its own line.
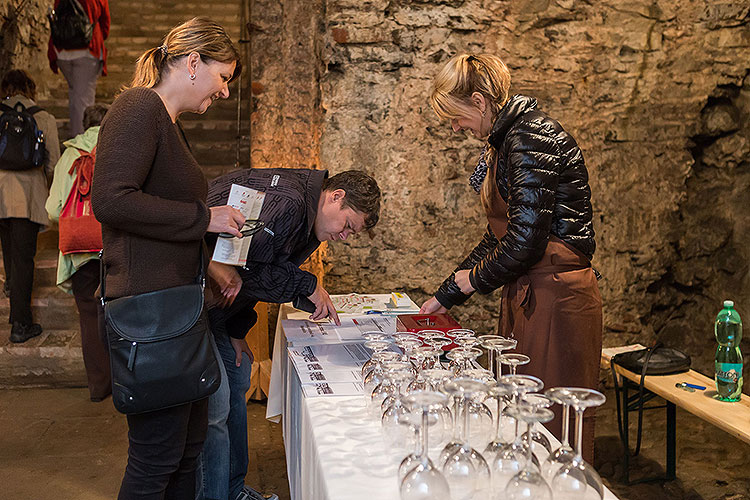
point(465, 74)
point(200, 35)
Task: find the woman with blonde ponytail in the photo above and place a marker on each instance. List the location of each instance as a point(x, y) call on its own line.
point(149, 194)
point(539, 242)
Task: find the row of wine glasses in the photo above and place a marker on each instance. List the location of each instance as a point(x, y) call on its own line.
point(464, 409)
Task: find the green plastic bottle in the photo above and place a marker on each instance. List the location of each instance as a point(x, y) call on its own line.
point(728, 364)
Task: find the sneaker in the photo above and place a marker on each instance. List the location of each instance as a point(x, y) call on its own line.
point(248, 493)
point(20, 333)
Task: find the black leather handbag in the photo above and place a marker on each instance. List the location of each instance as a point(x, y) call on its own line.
point(162, 353)
point(655, 360)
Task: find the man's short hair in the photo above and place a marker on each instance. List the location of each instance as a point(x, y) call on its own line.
point(362, 193)
point(93, 115)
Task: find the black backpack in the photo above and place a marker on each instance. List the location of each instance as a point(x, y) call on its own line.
point(21, 141)
point(71, 26)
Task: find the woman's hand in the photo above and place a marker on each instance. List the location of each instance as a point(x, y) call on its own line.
point(227, 281)
point(240, 346)
point(226, 219)
point(463, 282)
point(432, 306)
point(323, 305)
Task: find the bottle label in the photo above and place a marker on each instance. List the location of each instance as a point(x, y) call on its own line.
point(728, 372)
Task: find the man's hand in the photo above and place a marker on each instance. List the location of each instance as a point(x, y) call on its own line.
point(463, 282)
point(323, 305)
point(432, 306)
point(240, 346)
point(227, 281)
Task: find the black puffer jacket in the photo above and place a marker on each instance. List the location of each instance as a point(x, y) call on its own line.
point(542, 176)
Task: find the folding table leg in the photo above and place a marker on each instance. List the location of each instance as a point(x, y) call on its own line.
point(671, 441)
point(626, 425)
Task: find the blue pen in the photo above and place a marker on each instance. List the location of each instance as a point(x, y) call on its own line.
point(699, 387)
point(373, 311)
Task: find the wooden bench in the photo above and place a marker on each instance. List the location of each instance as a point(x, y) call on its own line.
point(733, 418)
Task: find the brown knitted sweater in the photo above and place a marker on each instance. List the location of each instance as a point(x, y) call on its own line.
point(149, 194)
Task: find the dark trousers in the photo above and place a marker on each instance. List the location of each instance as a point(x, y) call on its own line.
point(162, 452)
point(18, 239)
point(95, 353)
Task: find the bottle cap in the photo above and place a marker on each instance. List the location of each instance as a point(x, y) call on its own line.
point(728, 303)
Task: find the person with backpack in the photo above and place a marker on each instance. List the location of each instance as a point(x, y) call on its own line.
point(76, 47)
point(78, 266)
point(28, 152)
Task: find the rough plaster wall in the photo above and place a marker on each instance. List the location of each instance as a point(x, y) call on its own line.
point(656, 94)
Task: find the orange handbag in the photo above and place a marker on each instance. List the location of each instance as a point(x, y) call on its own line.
point(80, 232)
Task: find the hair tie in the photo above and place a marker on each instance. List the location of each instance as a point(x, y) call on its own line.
point(164, 51)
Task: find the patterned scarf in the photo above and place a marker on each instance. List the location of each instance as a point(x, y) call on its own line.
point(480, 172)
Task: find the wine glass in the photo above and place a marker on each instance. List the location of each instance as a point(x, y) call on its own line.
point(577, 479)
point(484, 341)
point(565, 453)
point(520, 385)
point(466, 470)
point(413, 420)
point(528, 483)
point(480, 415)
point(498, 346)
point(503, 458)
point(424, 481)
point(395, 434)
point(538, 401)
point(375, 376)
point(513, 360)
point(435, 379)
point(375, 345)
point(457, 332)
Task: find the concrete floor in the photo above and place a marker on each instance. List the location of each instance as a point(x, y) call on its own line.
point(56, 444)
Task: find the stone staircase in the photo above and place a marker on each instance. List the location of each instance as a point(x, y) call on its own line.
point(54, 358)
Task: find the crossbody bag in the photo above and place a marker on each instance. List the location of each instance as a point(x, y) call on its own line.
point(162, 353)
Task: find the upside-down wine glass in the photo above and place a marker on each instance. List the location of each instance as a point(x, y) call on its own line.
point(565, 453)
point(578, 480)
point(513, 360)
point(528, 484)
point(466, 470)
point(538, 401)
point(498, 346)
point(424, 481)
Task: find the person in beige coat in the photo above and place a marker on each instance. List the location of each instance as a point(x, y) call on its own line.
point(22, 212)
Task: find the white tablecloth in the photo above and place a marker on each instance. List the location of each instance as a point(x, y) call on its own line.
point(334, 449)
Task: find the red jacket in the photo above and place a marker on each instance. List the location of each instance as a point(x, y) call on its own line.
point(98, 11)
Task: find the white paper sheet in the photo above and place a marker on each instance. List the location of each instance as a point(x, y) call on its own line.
point(330, 356)
point(332, 389)
point(306, 332)
point(233, 251)
point(320, 376)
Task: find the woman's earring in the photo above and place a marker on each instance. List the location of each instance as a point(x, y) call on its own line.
point(192, 77)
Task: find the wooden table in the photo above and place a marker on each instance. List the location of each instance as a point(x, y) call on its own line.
point(733, 418)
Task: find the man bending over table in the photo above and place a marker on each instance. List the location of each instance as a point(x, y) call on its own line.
point(301, 208)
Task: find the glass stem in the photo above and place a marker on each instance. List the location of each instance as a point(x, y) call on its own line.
point(579, 433)
point(425, 415)
point(498, 366)
point(456, 425)
point(466, 419)
point(418, 445)
point(566, 426)
point(498, 420)
point(528, 438)
point(490, 361)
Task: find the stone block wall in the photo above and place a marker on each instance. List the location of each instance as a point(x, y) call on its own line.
point(655, 92)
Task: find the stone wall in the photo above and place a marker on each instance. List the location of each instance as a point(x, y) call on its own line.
point(656, 94)
point(23, 39)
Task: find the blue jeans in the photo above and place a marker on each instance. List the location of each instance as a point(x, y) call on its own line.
point(223, 463)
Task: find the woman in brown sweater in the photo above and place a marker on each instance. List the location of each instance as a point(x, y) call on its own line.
point(149, 194)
